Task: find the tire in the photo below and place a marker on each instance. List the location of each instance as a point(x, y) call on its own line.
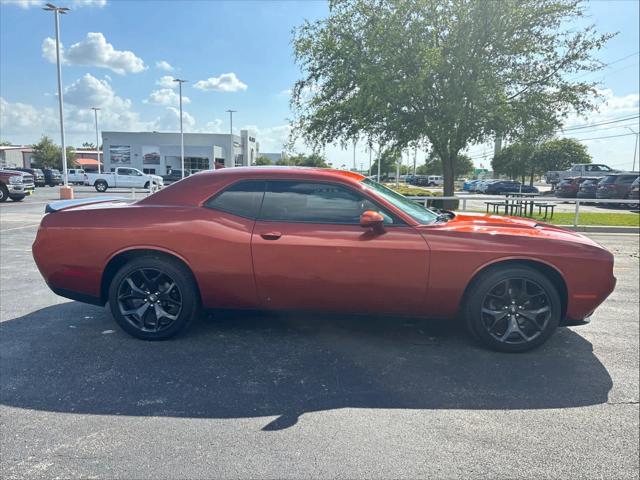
point(177, 305)
point(4, 193)
point(146, 185)
point(500, 290)
point(16, 198)
point(101, 186)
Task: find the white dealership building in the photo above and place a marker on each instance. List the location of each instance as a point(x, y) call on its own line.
point(159, 153)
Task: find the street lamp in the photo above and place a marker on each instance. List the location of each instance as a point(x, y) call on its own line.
point(60, 11)
point(180, 82)
point(635, 149)
point(95, 111)
point(231, 156)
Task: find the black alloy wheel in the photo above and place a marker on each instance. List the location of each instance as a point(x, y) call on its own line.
point(153, 298)
point(513, 309)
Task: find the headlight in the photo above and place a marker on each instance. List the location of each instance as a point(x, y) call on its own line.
point(15, 180)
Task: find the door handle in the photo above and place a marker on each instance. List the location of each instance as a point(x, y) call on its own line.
point(271, 235)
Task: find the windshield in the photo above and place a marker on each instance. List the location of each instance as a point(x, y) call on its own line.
point(419, 213)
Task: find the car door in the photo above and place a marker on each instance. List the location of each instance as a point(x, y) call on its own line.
point(309, 252)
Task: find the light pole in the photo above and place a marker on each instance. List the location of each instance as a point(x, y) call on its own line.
point(180, 82)
point(60, 11)
point(231, 156)
point(370, 153)
point(95, 111)
point(635, 149)
point(355, 169)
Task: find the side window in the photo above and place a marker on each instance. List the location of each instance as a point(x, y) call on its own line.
point(123, 171)
point(315, 203)
point(242, 199)
point(627, 179)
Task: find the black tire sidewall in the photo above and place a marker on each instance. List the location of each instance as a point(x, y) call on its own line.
point(17, 198)
point(483, 284)
point(184, 281)
point(5, 193)
point(101, 187)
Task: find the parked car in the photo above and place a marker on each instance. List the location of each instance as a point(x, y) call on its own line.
point(634, 192)
point(578, 170)
point(501, 187)
point(481, 186)
point(173, 176)
point(568, 188)
point(588, 188)
point(76, 176)
point(616, 186)
point(435, 181)
point(15, 185)
point(52, 177)
point(469, 185)
point(122, 177)
point(317, 239)
point(421, 180)
point(38, 175)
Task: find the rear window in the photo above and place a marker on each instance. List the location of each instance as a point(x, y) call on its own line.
point(242, 199)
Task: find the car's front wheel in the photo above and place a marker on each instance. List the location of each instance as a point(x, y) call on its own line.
point(153, 298)
point(16, 198)
point(512, 309)
point(101, 186)
point(4, 193)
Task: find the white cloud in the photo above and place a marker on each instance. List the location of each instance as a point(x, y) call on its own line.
point(227, 82)
point(271, 139)
point(214, 126)
point(72, 3)
point(166, 96)
point(170, 121)
point(166, 82)
point(17, 118)
point(95, 51)
point(164, 65)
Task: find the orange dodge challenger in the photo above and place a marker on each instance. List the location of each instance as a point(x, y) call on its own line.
point(317, 239)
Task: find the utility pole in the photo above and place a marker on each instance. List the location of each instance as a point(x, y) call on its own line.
point(180, 82)
point(379, 162)
point(415, 158)
point(355, 169)
point(370, 153)
point(231, 147)
point(57, 12)
point(95, 111)
point(635, 149)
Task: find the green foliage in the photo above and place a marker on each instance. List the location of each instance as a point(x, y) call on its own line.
point(388, 163)
point(560, 154)
point(263, 161)
point(520, 160)
point(89, 146)
point(463, 166)
point(450, 72)
point(5, 143)
point(48, 154)
point(302, 160)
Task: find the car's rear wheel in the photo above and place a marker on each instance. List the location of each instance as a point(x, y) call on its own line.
point(101, 186)
point(512, 309)
point(153, 298)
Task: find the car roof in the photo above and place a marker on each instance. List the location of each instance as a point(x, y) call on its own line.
point(196, 188)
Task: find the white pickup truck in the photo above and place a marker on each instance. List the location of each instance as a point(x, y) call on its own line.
point(578, 170)
point(123, 177)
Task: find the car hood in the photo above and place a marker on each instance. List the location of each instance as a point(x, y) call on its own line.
point(514, 226)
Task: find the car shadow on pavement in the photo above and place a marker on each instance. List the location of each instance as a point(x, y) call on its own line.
point(72, 358)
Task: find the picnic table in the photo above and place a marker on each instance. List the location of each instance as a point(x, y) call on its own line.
point(517, 201)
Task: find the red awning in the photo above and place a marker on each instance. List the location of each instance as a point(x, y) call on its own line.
point(86, 162)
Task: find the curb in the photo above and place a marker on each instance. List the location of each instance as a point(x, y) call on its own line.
point(602, 229)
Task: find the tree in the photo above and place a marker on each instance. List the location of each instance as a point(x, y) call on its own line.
point(302, 160)
point(5, 143)
point(89, 145)
point(48, 154)
point(447, 71)
point(263, 161)
point(433, 166)
point(560, 154)
point(388, 163)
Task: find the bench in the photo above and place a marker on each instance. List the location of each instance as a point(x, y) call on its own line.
point(546, 207)
point(495, 206)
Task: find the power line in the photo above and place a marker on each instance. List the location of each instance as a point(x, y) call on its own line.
point(608, 136)
point(579, 127)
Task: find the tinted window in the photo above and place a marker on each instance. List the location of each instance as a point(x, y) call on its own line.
point(627, 179)
point(315, 203)
point(242, 199)
point(608, 179)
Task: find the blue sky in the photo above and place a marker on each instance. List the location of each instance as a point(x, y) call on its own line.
point(235, 55)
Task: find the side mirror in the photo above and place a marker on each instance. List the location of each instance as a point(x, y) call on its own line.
point(373, 220)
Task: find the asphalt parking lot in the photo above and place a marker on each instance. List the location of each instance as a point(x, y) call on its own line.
point(297, 396)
